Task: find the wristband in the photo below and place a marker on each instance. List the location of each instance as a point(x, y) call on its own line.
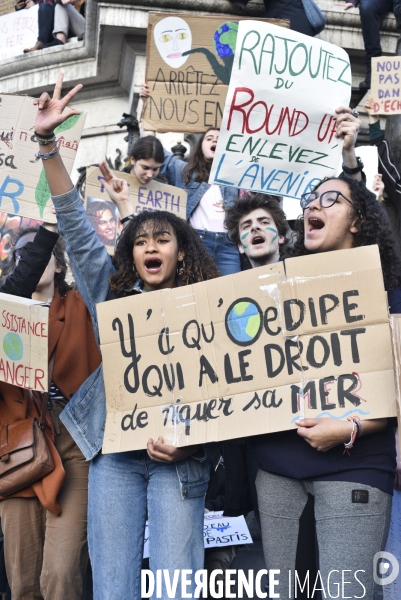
point(352, 438)
point(126, 219)
point(358, 169)
point(45, 155)
point(42, 136)
point(45, 142)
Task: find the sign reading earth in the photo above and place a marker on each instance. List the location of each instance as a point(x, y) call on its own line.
point(13, 346)
point(244, 322)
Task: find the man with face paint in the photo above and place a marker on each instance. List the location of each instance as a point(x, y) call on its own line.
point(257, 225)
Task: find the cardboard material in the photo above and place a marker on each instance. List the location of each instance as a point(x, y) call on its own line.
point(278, 130)
point(188, 66)
point(152, 196)
point(23, 342)
point(18, 30)
point(249, 353)
point(386, 85)
point(23, 185)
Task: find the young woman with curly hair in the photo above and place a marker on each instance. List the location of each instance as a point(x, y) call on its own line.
point(206, 204)
point(156, 250)
point(353, 493)
point(45, 524)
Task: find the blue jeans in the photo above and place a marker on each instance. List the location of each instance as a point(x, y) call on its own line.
point(45, 22)
point(224, 253)
point(125, 489)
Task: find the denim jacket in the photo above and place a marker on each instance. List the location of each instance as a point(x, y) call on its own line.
point(172, 169)
point(85, 414)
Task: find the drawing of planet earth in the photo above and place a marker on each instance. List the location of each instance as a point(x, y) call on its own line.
point(244, 322)
point(13, 346)
point(225, 38)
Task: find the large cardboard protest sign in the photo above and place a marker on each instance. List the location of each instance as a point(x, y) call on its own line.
point(188, 67)
point(23, 342)
point(249, 353)
point(23, 184)
point(18, 30)
point(386, 85)
point(279, 123)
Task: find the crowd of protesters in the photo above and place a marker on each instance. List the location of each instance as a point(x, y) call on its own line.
point(57, 21)
point(49, 526)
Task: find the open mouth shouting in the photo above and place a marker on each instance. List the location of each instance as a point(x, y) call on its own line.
point(153, 265)
point(314, 223)
point(257, 240)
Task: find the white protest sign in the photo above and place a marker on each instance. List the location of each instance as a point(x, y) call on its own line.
point(218, 531)
point(18, 30)
point(279, 122)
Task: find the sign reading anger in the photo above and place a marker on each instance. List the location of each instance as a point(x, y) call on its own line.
point(211, 361)
point(23, 342)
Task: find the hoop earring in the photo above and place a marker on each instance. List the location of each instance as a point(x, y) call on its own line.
point(180, 271)
point(135, 271)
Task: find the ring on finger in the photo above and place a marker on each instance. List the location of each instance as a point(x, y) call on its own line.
point(355, 113)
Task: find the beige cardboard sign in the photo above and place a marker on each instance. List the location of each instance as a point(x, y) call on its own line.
point(386, 85)
point(249, 353)
point(23, 185)
point(23, 342)
point(103, 215)
point(188, 68)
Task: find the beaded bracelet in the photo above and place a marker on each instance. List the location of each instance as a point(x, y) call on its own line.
point(354, 433)
point(45, 155)
point(45, 142)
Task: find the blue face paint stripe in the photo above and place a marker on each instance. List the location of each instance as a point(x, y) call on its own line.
point(274, 231)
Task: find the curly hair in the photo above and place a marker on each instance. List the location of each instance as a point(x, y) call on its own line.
point(373, 227)
point(197, 164)
point(197, 266)
point(8, 266)
point(249, 203)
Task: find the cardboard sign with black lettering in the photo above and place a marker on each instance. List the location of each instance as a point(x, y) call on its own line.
point(188, 67)
point(249, 353)
point(24, 343)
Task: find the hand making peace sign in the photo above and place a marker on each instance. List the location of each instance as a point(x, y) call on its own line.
point(53, 111)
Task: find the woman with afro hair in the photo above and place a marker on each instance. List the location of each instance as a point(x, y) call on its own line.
point(156, 250)
point(352, 492)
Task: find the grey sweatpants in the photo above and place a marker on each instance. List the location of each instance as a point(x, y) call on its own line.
point(67, 18)
point(349, 534)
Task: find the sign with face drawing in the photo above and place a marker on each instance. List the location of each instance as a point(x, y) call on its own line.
point(249, 353)
point(188, 68)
